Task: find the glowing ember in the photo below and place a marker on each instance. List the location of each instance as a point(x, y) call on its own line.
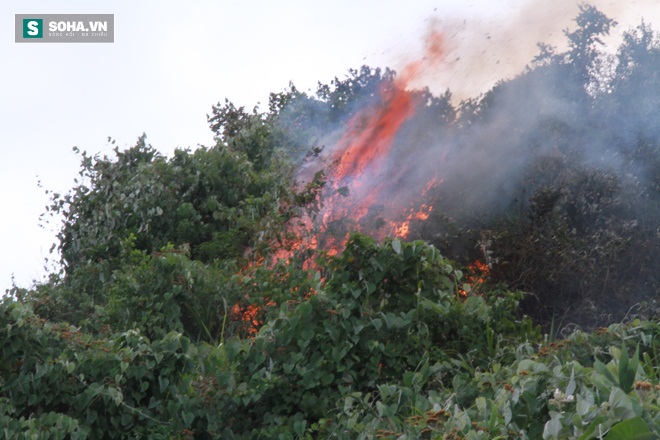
point(421, 215)
point(402, 229)
point(249, 315)
point(478, 273)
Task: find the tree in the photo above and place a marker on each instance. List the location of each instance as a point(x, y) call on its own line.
point(592, 26)
point(171, 318)
point(139, 229)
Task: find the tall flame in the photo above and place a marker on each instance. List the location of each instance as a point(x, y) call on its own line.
point(361, 190)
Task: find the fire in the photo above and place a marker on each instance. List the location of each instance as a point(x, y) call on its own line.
point(363, 193)
point(478, 273)
point(249, 315)
point(402, 229)
point(370, 134)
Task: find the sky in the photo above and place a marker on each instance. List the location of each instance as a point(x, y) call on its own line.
point(171, 61)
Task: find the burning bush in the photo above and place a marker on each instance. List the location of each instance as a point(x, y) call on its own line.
point(550, 165)
point(188, 325)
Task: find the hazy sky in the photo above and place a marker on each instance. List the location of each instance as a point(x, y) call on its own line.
point(171, 61)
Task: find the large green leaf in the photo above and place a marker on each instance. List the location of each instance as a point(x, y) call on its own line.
point(631, 429)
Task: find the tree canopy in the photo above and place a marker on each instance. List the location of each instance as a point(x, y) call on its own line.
point(195, 299)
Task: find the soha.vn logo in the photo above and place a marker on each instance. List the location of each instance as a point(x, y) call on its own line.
point(33, 28)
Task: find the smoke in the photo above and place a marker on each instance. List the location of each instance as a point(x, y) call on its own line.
point(485, 49)
point(557, 163)
point(484, 156)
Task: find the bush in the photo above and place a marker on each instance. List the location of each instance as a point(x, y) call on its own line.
point(387, 314)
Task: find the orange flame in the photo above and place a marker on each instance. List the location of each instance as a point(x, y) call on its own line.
point(478, 273)
point(361, 179)
point(369, 137)
point(360, 186)
point(249, 315)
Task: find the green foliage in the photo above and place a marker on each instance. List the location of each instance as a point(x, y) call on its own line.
point(633, 429)
point(58, 380)
point(172, 319)
point(592, 26)
point(387, 319)
point(218, 201)
point(582, 236)
point(576, 224)
point(158, 244)
point(552, 394)
point(386, 347)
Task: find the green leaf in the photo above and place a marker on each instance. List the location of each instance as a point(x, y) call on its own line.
point(621, 404)
point(164, 383)
point(396, 245)
point(494, 415)
point(305, 309)
point(631, 429)
point(94, 389)
point(381, 408)
point(648, 366)
point(33, 399)
point(602, 369)
point(126, 419)
point(584, 404)
point(144, 386)
point(595, 423)
point(623, 368)
point(299, 427)
point(570, 388)
point(552, 427)
point(481, 404)
point(115, 394)
point(188, 418)
point(628, 378)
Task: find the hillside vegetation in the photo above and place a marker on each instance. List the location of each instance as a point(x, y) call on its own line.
point(196, 301)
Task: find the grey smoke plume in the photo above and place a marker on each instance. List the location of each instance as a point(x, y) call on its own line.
point(485, 49)
point(558, 165)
